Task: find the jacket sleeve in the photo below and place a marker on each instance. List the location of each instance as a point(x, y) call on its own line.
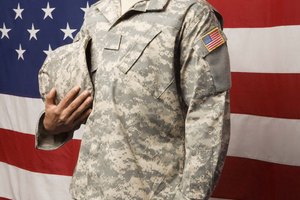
point(205, 83)
point(45, 141)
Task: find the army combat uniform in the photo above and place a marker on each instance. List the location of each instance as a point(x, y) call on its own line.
point(159, 128)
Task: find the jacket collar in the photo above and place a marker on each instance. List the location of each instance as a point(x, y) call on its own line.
point(150, 5)
point(111, 8)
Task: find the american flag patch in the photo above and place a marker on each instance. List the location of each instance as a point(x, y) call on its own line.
point(213, 39)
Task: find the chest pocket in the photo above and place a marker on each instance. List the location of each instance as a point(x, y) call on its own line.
point(141, 58)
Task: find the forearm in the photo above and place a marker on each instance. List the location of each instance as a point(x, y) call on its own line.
point(206, 142)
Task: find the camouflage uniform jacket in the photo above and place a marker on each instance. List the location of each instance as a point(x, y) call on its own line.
point(159, 128)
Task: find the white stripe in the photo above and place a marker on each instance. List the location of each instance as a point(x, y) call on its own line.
point(21, 114)
point(264, 138)
point(19, 184)
point(264, 50)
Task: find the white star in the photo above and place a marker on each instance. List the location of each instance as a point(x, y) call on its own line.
point(18, 11)
point(20, 52)
point(68, 32)
point(4, 31)
point(48, 51)
point(33, 32)
point(48, 11)
point(86, 8)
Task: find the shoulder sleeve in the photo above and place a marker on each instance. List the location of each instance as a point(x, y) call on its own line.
point(204, 84)
point(204, 54)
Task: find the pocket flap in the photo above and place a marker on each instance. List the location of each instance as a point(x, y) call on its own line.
point(136, 50)
point(112, 41)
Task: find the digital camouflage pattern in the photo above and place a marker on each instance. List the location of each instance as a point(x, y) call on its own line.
point(159, 128)
point(72, 61)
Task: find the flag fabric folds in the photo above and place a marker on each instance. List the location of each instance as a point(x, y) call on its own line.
point(263, 39)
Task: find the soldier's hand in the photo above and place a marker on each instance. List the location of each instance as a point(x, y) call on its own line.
point(69, 114)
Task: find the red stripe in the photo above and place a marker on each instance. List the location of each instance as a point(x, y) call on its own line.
point(18, 149)
point(215, 43)
point(215, 33)
point(216, 39)
point(2, 198)
point(258, 13)
point(271, 95)
point(248, 179)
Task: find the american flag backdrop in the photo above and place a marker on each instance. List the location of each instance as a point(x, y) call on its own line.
point(263, 161)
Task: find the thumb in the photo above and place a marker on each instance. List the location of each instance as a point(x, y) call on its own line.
point(50, 97)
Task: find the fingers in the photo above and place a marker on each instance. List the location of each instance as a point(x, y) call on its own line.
point(50, 97)
point(70, 113)
point(70, 96)
point(78, 105)
point(81, 106)
point(82, 118)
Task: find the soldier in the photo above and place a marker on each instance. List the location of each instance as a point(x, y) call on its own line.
point(159, 125)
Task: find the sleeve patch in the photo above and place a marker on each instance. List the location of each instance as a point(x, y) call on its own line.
point(213, 39)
